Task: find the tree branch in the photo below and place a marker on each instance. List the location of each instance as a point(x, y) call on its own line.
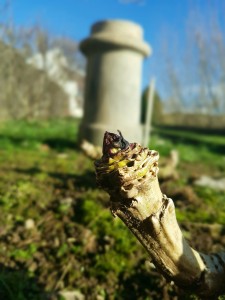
point(128, 173)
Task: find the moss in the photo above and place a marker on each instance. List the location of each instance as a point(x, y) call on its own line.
point(45, 178)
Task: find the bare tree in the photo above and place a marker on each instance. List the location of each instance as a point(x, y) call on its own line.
point(27, 92)
point(195, 78)
point(70, 49)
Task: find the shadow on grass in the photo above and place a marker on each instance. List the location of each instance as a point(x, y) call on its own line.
point(141, 284)
point(79, 181)
point(58, 144)
point(85, 181)
point(17, 284)
point(148, 284)
point(61, 144)
point(218, 148)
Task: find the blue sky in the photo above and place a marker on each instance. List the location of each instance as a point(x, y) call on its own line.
point(73, 18)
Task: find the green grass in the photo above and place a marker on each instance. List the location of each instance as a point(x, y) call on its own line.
point(59, 134)
point(201, 157)
point(76, 243)
point(206, 138)
point(209, 154)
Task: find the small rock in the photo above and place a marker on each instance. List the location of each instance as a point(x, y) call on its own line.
point(68, 201)
point(29, 224)
point(213, 183)
point(56, 242)
point(89, 241)
point(72, 295)
point(100, 297)
point(44, 147)
point(62, 155)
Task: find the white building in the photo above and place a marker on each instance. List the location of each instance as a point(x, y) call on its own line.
point(55, 64)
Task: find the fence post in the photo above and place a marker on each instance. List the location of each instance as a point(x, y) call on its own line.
point(149, 111)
